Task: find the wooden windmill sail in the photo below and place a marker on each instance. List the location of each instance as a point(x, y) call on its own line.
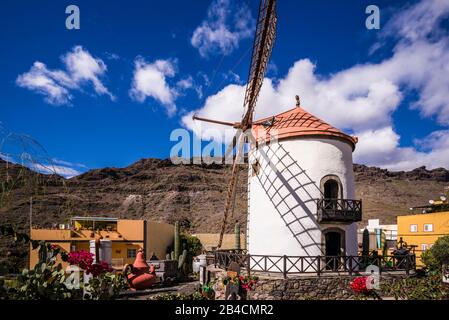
point(262, 47)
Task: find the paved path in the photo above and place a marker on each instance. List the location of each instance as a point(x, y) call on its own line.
point(184, 288)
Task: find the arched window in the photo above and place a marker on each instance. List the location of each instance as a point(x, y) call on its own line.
point(331, 187)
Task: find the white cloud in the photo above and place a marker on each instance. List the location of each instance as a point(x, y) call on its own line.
point(150, 80)
point(232, 77)
point(112, 56)
point(6, 157)
point(63, 171)
point(46, 82)
point(418, 21)
point(381, 147)
point(186, 83)
point(223, 29)
point(362, 98)
point(83, 67)
point(79, 166)
point(55, 166)
point(56, 85)
point(222, 106)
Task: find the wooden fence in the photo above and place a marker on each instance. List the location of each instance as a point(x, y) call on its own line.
point(293, 265)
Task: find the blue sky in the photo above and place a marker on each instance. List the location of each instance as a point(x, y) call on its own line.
point(113, 91)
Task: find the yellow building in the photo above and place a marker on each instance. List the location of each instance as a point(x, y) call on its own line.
point(422, 230)
point(127, 237)
point(210, 241)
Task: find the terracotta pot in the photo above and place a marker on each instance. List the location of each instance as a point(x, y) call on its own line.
point(140, 275)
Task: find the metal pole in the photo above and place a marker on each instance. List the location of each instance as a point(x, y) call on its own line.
point(407, 264)
point(350, 265)
point(380, 264)
point(285, 267)
point(319, 266)
point(31, 213)
point(231, 124)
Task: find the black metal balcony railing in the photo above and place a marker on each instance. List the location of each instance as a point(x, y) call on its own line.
point(339, 210)
point(294, 265)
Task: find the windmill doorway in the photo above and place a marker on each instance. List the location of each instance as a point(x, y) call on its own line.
point(334, 248)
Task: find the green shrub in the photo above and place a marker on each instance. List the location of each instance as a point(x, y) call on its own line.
point(430, 287)
point(435, 257)
point(432, 265)
point(105, 287)
point(440, 250)
point(193, 246)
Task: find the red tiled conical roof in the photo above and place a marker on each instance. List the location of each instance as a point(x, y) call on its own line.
point(298, 123)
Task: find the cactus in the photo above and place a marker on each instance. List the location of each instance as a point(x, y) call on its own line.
point(177, 241)
point(384, 245)
point(43, 253)
point(237, 236)
point(365, 243)
point(182, 259)
point(177, 255)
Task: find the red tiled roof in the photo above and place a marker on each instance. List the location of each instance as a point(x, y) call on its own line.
point(297, 123)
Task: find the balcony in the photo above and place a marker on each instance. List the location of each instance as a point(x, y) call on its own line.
point(339, 210)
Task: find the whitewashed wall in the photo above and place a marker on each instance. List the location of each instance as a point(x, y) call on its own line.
point(267, 231)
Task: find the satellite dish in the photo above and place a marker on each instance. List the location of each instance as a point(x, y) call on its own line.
point(443, 198)
point(431, 201)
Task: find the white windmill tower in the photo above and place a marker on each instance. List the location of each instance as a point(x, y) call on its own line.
point(301, 188)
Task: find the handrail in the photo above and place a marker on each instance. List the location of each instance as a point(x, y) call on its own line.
point(313, 264)
point(339, 210)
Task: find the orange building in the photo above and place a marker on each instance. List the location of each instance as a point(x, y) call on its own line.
point(423, 230)
point(127, 237)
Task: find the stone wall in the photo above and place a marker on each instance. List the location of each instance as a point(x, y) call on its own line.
point(305, 287)
point(310, 287)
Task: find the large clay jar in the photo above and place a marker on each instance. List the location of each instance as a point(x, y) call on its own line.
point(140, 275)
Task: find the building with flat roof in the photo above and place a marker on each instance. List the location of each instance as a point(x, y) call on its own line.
point(127, 237)
point(422, 230)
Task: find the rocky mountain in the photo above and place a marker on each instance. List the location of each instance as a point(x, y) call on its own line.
point(193, 194)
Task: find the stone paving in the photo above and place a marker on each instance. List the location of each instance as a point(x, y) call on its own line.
point(183, 288)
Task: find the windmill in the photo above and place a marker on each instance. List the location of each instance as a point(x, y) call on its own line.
point(263, 44)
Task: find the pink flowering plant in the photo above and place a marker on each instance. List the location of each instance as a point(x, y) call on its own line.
point(85, 260)
point(104, 284)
